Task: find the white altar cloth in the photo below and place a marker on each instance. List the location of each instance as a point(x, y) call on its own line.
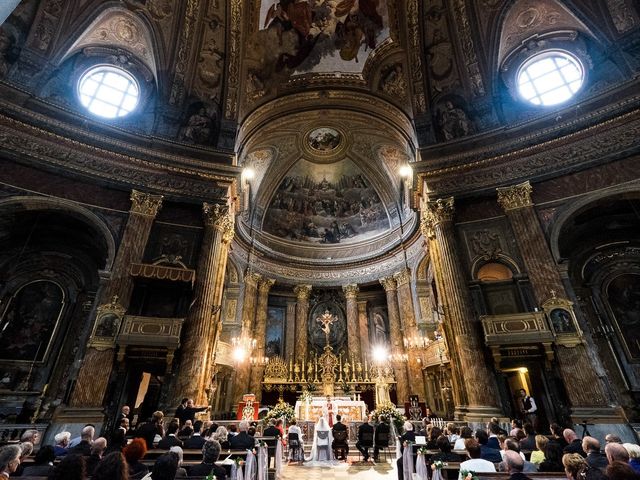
point(350, 410)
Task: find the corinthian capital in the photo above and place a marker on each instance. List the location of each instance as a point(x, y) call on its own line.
point(516, 196)
point(265, 285)
point(440, 211)
point(252, 278)
point(427, 225)
point(351, 291)
point(219, 217)
point(302, 292)
point(145, 203)
point(388, 283)
point(402, 277)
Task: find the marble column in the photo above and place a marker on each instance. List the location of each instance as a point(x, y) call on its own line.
point(302, 313)
point(395, 334)
point(584, 388)
point(93, 377)
point(459, 393)
point(290, 331)
point(363, 329)
point(260, 334)
point(193, 380)
point(6, 8)
point(353, 340)
point(478, 380)
point(249, 303)
point(410, 329)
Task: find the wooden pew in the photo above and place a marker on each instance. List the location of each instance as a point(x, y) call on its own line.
point(532, 476)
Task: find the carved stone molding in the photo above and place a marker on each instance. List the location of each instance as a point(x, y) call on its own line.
point(145, 203)
point(516, 196)
point(252, 278)
point(440, 210)
point(427, 225)
point(302, 292)
point(388, 283)
point(219, 217)
point(351, 290)
point(402, 277)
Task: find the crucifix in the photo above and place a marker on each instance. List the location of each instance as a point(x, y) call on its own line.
point(326, 319)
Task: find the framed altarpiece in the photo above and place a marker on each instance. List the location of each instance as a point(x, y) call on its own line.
point(562, 321)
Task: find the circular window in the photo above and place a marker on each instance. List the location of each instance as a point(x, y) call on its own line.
point(550, 78)
point(108, 92)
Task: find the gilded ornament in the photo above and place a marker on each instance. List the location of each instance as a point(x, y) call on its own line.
point(351, 291)
point(145, 203)
point(265, 285)
point(219, 217)
point(427, 225)
point(516, 196)
point(252, 278)
point(402, 277)
point(302, 292)
point(388, 283)
point(441, 210)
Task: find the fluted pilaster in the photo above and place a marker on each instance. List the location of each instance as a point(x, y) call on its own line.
point(479, 382)
point(353, 341)
point(193, 380)
point(93, 377)
point(249, 304)
point(410, 328)
point(583, 386)
point(395, 334)
point(302, 313)
point(260, 333)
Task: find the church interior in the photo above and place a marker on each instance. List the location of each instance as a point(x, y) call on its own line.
point(432, 203)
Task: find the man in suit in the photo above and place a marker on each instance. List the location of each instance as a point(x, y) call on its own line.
point(86, 439)
point(170, 440)
point(180, 410)
point(196, 440)
point(574, 444)
point(529, 408)
point(487, 453)
point(342, 446)
point(189, 412)
point(515, 464)
point(595, 459)
point(210, 455)
point(365, 439)
point(272, 431)
point(243, 440)
point(382, 430)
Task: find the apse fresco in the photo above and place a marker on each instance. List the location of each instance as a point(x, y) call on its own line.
point(321, 35)
point(325, 204)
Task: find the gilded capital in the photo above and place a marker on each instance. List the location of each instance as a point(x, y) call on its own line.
point(516, 196)
point(388, 283)
point(145, 203)
point(302, 292)
point(351, 291)
point(252, 278)
point(265, 285)
point(440, 211)
point(402, 277)
point(219, 217)
point(427, 226)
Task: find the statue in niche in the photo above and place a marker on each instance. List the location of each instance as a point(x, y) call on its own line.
point(453, 121)
point(199, 128)
point(379, 329)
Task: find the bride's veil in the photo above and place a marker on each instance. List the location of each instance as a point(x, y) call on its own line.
point(321, 426)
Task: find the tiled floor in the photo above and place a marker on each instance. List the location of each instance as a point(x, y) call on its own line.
point(342, 471)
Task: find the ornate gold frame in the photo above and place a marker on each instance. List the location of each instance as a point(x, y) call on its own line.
point(113, 312)
point(568, 338)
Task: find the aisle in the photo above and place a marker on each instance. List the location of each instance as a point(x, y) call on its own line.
point(342, 471)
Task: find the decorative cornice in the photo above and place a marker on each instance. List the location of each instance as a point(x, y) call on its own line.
point(252, 278)
point(302, 292)
point(440, 210)
point(219, 217)
point(265, 285)
point(516, 196)
point(389, 284)
point(145, 203)
point(402, 277)
point(351, 291)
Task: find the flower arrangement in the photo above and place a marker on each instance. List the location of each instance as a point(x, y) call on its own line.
point(468, 475)
point(439, 464)
point(306, 396)
point(281, 410)
point(389, 411)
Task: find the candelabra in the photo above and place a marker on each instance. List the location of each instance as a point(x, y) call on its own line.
point(258, 361)
point(242, 347)
point(416, 342)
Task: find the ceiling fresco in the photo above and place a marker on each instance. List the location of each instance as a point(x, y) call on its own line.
point(316, 36)
point(326, 204)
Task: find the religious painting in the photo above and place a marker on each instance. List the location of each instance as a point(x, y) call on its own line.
point(378, 331)
point(107, 325)
point(335, 331)
point(311, 36)
point(325, 205)
point(30, 320)
point(275, 331)
point(324, 139)
point(561, 321)
point(623, 296)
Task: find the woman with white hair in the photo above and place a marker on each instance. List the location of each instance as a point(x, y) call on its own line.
point(61, 447)
point(634, 455)
point(181, 472)
point(9, 460)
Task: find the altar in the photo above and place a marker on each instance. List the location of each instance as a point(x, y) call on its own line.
point(350, 410)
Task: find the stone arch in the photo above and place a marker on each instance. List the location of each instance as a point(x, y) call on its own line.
point(31, 203)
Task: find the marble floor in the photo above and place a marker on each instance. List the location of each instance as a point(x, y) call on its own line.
point(343, 471)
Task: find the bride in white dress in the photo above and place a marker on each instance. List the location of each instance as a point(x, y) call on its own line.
point(321, 452)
